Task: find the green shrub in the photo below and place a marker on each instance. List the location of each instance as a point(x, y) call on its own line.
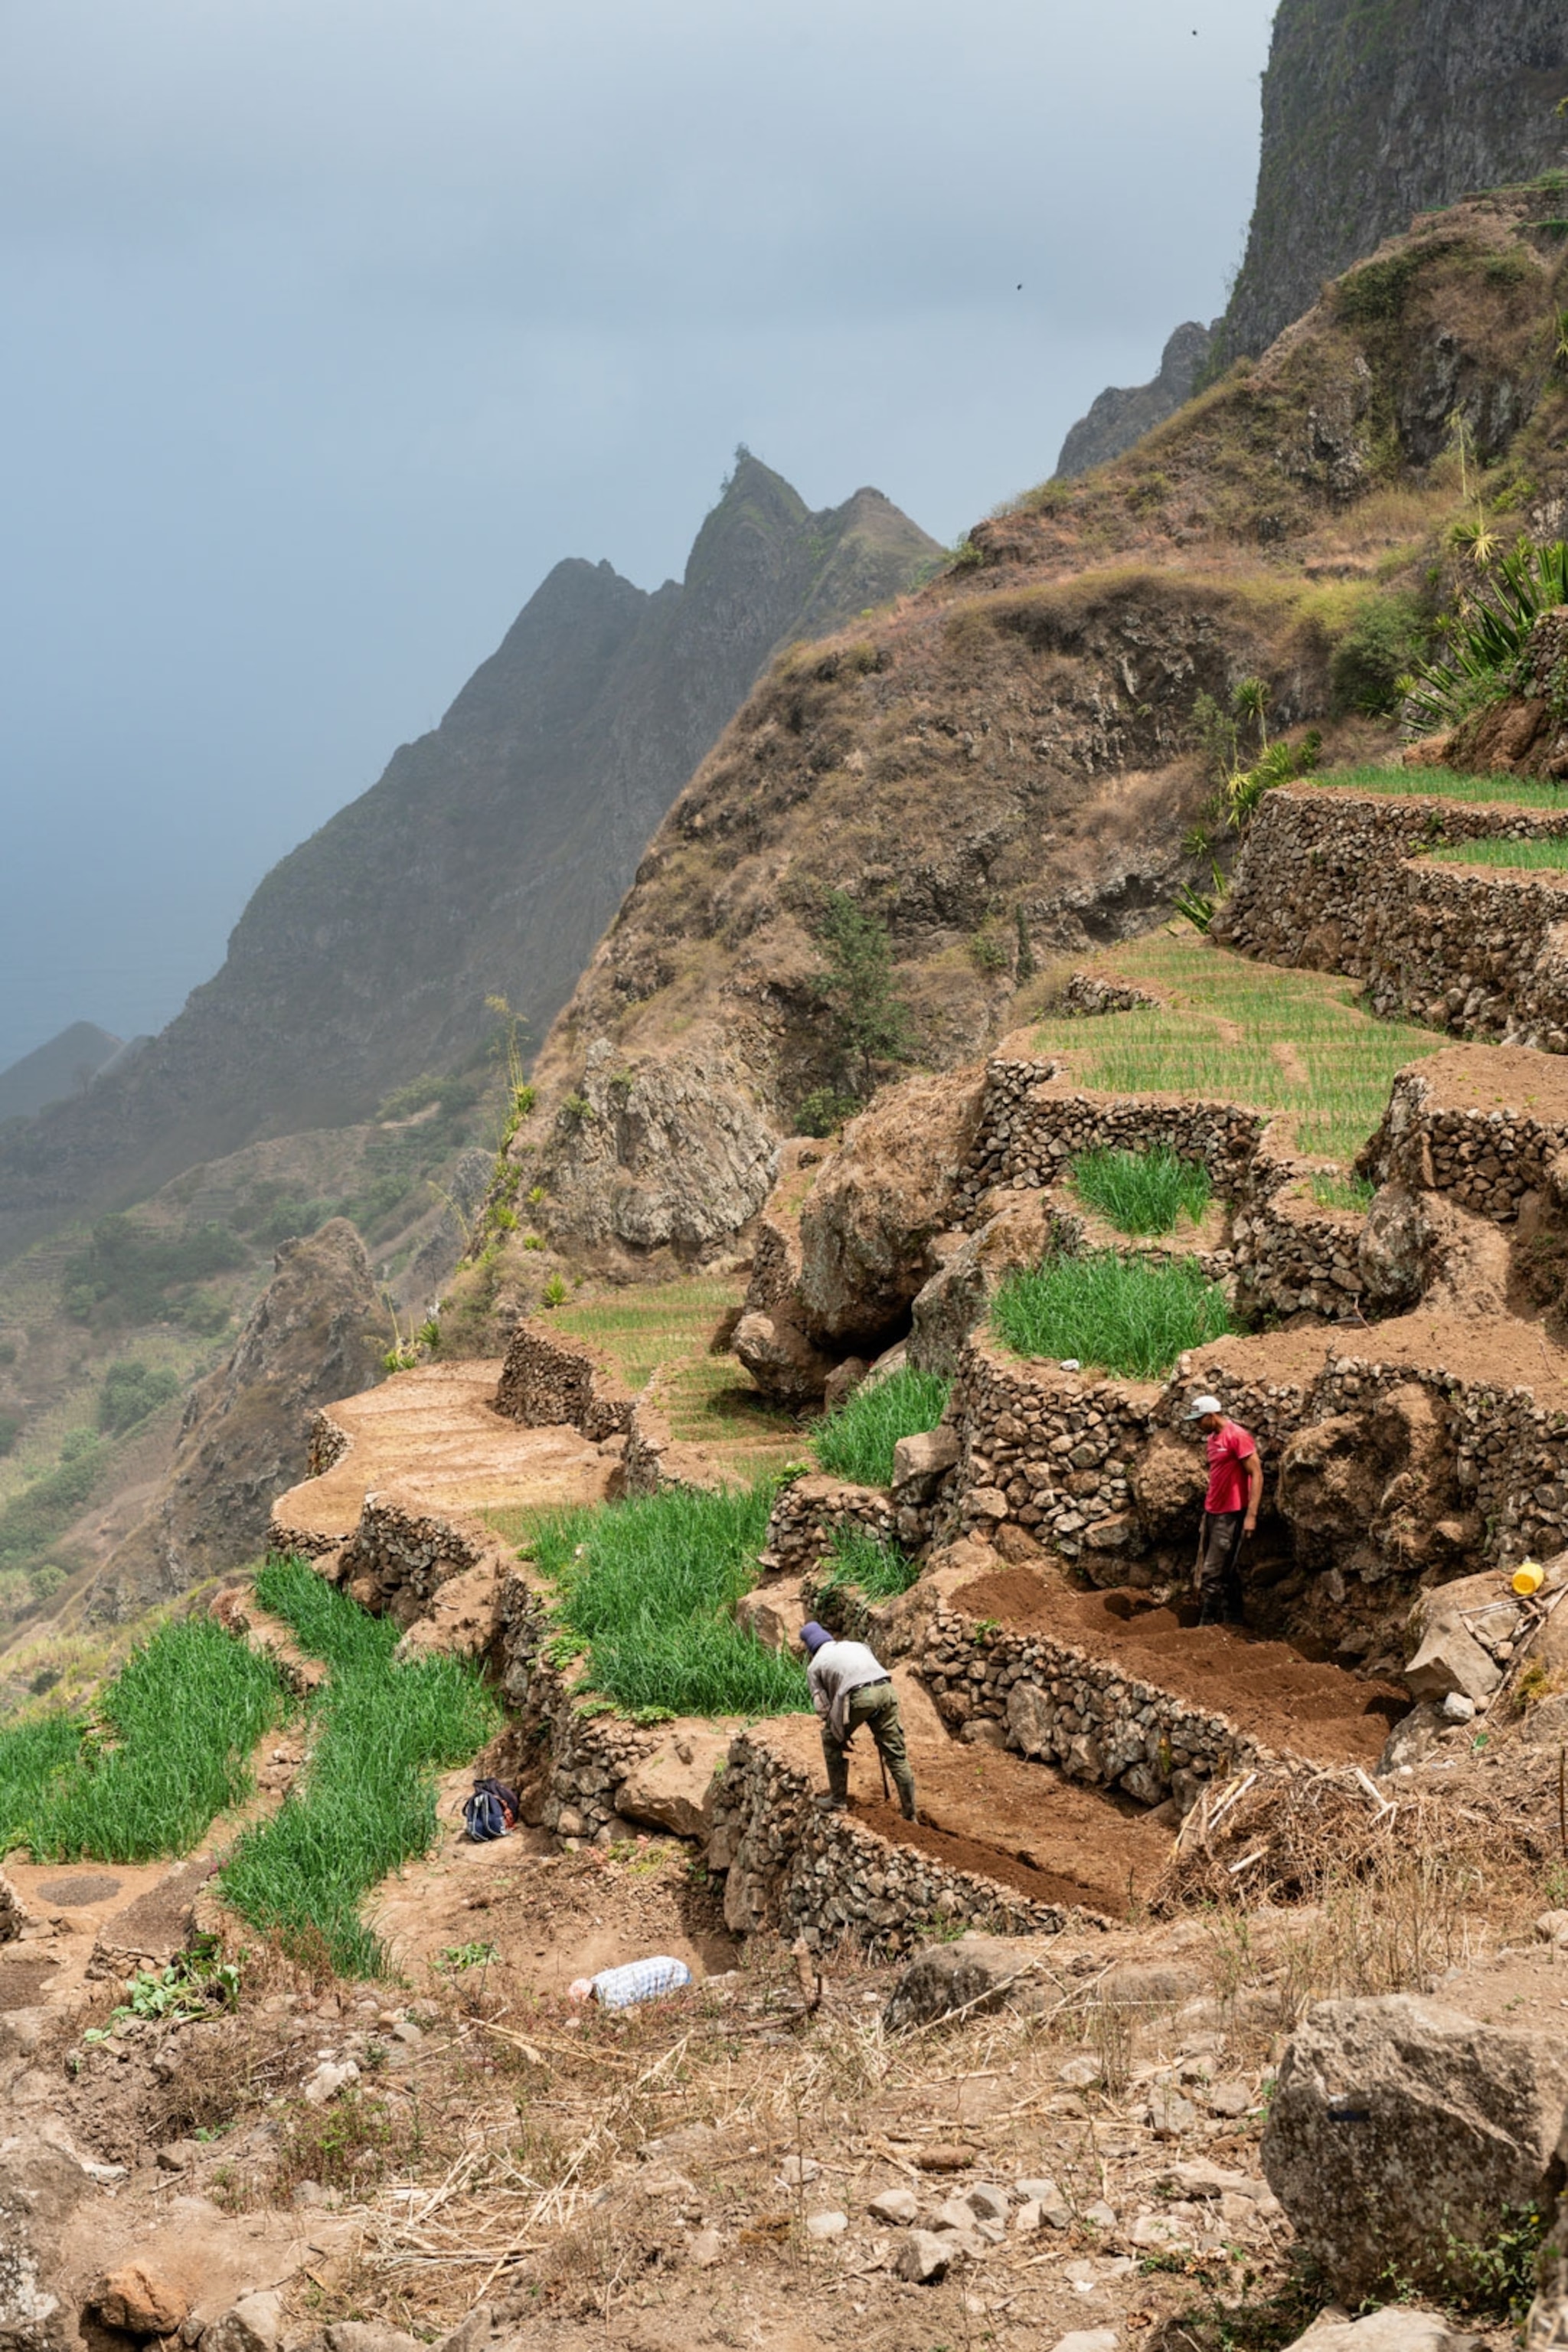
point(1486, 638)
point(1143, 1191)
point(10, 1431)
point(872, 1022)
point(1382, 645)
point(1132, 1316)
point(857, 1441)
point(131, 1390)
point(824, 1111)
point(170, 1749)
point(647, 1589)
point(877, 1569)
point(31, 1520)
point(128, 1274)
point(1375, 295)
point(366, 1804)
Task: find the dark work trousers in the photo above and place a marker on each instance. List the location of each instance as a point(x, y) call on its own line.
point(1219, 1566)
point(875, 1705)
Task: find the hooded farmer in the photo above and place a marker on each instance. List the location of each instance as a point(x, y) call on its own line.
point(850, 1687)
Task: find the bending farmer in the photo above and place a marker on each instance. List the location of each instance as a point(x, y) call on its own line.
point(849, 1688)
point(1230, 1510)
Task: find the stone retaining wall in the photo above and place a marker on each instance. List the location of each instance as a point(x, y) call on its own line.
point(1487, 1159)
point(807, 1511)
point(547, 1382)
point(1094, 992)
point(1339, 883)
point(1052, 1451)
point(799, 1873)
point(586, 1756)
point(1100, 1723)
point(326, 1444)
point(1029, 1133)
point(1293, 1257)
point(399, 1556)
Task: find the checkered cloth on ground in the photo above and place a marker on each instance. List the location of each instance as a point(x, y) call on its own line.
point(640, 1981)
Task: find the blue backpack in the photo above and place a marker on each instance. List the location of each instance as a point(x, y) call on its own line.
point(491, 1812)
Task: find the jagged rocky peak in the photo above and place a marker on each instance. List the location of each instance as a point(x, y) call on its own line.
point(488, 857)
point(1119, 417)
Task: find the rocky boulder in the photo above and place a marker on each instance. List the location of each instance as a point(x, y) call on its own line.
point(787, 1367)
point(1422, 1248)
point(970, 1269)
point(40, 2189)
point(1169, 1478)
point(667, 1150)
point(673, 1787)
point(318, 1331)
point(1457, 1629)
point(1397, 2123)
point(1399, 2327)
point(867, 1230)
point(976, 1973)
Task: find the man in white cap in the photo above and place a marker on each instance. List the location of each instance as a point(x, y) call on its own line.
point(1230, 1509)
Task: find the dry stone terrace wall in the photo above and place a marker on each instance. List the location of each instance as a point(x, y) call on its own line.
point(1030, 1133)
point(326, 1445)
point(1100, 1723)
point(1091, 992)
point(1487, 1158)
point(1293, 1257)
point(586, 1756)
point(1339, 882)
point(547, 1382)
point(399, 1556)
point(809, 1510)
point(822, 1878)
point(1057, 1452)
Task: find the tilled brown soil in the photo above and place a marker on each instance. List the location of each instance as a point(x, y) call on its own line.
point(984, 1810)
point(1265, 1688)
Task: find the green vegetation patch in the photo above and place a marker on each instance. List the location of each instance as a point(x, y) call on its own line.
point(1357, 1192)
point(879, 1571)
point(857, 1441)
point(1142, 1192)
point(381, 1731)
point(1229, 1030)
point(1448, 785)
point(169, 1749)
point(1132, 1316)
point(126, 1274)
point(31, 1520)
point(647, 1589)
point(131, 1390)
point(1530, 856)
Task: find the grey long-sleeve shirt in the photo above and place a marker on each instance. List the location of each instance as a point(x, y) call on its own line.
point(838, 1668)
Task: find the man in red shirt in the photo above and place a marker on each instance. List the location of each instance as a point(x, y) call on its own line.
point(1230, 1510)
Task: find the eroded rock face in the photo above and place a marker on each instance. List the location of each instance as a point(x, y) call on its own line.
point(40, 2187)
point(1396, 2120)
point(1365, 1487)
point(959, 1294)
point(318, 1331)
point(666, 1151)
point(1421, 1247)
point(865, 1232)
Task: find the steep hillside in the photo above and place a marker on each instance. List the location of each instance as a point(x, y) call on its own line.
point(487, 859)
point(1375, 109)
point(1005, 768)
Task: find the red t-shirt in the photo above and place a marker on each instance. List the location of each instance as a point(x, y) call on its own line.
point(1229, 1448)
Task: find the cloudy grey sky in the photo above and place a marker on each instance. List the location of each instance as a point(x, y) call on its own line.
point(333, 324)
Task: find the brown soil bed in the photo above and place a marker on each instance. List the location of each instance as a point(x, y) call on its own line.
point(989, 1813)
point(1265, 1688)
point(1493, 1349)
point(22, 1981)
point(1499, 1078)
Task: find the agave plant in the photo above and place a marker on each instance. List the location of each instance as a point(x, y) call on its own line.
point(1488, 638)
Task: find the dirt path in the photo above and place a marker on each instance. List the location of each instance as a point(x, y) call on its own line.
point(1266, 1688)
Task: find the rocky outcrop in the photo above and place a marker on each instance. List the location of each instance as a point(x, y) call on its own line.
point(1371, 116)
point(317, 1332)
point(866, 1229)
point(40, 2189)
point(1399, 2128)
point(668, 1152)
point(1117, 418)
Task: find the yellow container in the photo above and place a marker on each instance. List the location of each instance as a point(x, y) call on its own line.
point(1528, 1578)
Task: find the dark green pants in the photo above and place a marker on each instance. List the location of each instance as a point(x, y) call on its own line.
point(877, 1705)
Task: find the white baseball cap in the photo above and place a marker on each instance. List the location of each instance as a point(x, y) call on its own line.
point(1200, 1405)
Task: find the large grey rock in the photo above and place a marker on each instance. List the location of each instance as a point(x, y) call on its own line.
point(1399, 2327)
point(976, 1970)
point(40, 2187)
point(254, 2323)
point(673, 1787)
point(1451, 1660)
point(789, 1371)
point(920, 1463)
point(1396, 2124)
